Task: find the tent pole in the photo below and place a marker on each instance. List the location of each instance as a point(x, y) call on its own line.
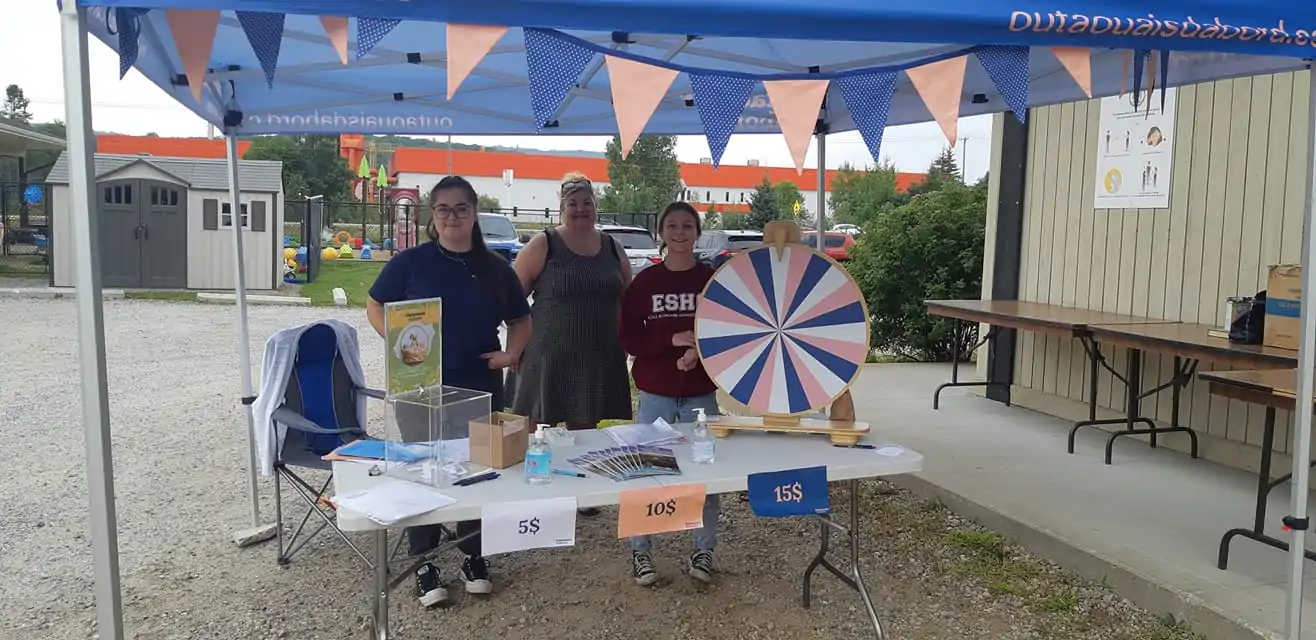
point(91, 322)
point(258, 532)
point(1306, 364)
point(822, 188)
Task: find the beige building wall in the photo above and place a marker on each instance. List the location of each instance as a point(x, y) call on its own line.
point(1236, 206)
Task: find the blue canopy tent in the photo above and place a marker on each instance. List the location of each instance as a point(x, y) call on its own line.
point(273, 69)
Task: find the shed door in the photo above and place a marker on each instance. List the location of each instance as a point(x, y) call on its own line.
point(164, 235)
point(120, 233)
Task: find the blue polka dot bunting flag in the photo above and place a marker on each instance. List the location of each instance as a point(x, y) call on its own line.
point(868, 97)
point(553, 66)
point(127, 27)
point(1140, 57)
point(720, 100)
point(1008, 68)
point(265, 34)
point(369, 31)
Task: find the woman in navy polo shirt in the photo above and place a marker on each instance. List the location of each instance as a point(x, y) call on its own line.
point(480, 292)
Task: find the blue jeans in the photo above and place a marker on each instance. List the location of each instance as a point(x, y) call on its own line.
point(676, 410)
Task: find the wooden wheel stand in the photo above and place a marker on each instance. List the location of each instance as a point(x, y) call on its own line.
point(840, 424)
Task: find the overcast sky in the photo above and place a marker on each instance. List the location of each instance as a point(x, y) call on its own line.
point(30, 47)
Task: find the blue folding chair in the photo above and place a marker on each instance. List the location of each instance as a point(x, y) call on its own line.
point(320, 410)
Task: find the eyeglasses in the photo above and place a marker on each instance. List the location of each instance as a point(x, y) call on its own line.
point(461, 212)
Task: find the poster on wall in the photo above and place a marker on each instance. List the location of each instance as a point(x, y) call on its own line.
point(1134, 146)
point(413, 338)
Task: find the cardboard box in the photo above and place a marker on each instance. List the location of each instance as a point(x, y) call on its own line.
point(1283, 304)
point(499, 440)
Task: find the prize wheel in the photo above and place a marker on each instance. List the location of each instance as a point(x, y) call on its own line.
point(783, 332)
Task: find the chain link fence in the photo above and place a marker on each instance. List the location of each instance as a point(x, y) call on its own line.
point(25, 223)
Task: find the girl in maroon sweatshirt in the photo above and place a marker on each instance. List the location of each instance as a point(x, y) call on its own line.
point(657, 327)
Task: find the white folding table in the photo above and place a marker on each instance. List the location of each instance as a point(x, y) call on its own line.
point(738, 456)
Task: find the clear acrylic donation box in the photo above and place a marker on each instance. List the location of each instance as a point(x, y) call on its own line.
point(428, 434)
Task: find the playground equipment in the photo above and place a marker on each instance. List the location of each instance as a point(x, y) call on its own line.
point(345, 251)
point(329, 253)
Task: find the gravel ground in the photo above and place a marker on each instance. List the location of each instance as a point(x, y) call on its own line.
point(179, 465)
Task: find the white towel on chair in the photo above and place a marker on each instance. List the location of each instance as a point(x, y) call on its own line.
point(280, 355)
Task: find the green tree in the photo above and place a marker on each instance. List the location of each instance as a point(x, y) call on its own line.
point(15, 105)
point(943, 171)
point(734, 221)
point(762, 206)
point(711, 219)
point(488, 203)
point(858, 197)
point(646, 181)
point(311, 165)
point(929, 249)
point(786, 195)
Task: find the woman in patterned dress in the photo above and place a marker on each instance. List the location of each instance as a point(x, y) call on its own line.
point(574, 369)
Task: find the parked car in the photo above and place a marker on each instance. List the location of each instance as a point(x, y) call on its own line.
point(847, 229)
point(836, 244)
point(500, 235)
point(716, 247)
point(641, 248)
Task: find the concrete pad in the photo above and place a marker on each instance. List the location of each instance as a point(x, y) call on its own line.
point(229, 298)
point(1150, 524)
point(53, 293)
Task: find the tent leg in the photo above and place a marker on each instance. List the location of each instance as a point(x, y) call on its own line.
point(1306, 363)
point(259, 531)
point(91, 323)
point(821, 137)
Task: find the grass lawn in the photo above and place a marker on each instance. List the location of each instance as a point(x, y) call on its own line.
point(169, 296)
point(354, 276)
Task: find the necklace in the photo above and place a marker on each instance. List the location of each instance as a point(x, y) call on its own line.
point(444, 252)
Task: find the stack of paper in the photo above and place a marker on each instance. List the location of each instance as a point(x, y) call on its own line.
point(628, 463)
point(393, 500)
point(658, 434)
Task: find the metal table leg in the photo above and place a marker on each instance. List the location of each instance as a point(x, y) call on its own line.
point(959, 333)
point(1133, 397)
point(1264, 487)
point(381, 585)
point(855, 580)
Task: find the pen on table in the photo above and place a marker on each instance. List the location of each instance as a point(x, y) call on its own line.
point(854, 446)
point(563, 472)
point(474, 479)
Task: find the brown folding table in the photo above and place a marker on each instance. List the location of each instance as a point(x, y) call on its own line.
point(1273, 389)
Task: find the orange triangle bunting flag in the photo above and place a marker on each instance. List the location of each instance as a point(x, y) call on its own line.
point(637, 90)
point(1078, 62)
point(940, 85)
point(335, 28)
point(796, 103)
point(193, 31)
point(468, 44)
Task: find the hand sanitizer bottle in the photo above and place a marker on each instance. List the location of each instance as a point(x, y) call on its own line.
point(539, 458)
point(702, 444)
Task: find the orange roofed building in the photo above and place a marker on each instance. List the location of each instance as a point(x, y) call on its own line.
point(535, 177)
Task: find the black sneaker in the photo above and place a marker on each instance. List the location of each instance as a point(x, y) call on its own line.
point(642, 568)
point(701, 566)
point(429, 588)
point(475, 573)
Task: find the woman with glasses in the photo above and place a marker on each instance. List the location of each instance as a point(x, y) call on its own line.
point(574, 370)
point(480, 293)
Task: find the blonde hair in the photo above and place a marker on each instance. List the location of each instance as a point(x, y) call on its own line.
point(572, 182)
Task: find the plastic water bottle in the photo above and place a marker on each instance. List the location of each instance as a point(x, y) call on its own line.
point(539, 458)
point(703, 447)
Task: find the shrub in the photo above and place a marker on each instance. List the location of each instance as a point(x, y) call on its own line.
point(928, 249)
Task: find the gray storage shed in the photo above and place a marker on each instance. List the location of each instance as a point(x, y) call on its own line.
point(167, 223)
